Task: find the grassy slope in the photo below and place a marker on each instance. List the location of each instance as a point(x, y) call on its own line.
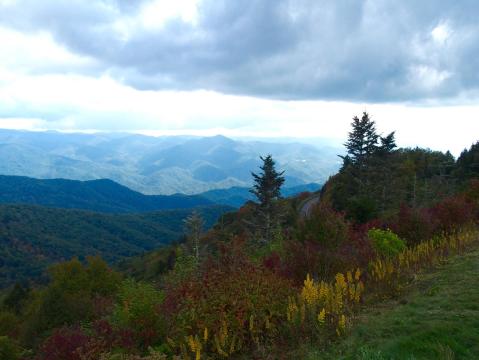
point(436, 318)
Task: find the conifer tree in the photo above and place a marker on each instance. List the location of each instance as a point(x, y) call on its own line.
point(362, 140)
point(467, 165)
point(388, 144)
point(267, 185)
point(267, 189)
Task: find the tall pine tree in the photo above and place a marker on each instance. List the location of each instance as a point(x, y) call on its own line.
point(267, 185)
point(267, 189)
point(362, 140)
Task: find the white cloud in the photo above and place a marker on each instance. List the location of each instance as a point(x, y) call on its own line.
point(427, 77)
point(31, 53)
point(155, 13)
point(441, 33)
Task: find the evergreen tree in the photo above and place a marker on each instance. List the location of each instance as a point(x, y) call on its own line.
point(194, 227)
point(267, 188)
point(267, 185)
point(388, 144)
point(467, 165)
point(362, 140)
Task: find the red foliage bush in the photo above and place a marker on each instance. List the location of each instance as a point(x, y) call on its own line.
point(64, 344)
point(357, 251)
point(301, 259)
point(76, 343)
point(273, 263)
point(323, 245)
point(472, 196)
point(452, 213)
point(472, 192)
point(231, 291)
point(413, 225)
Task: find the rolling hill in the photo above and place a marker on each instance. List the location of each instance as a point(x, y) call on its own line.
point(95, 195)
point(33, 237)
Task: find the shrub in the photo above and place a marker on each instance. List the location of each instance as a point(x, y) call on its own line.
point(472, 192)
point(16, 298)
point(322, 310)
point(362, 209)
point(73, 295)
point(64, 344)
point(413, 225)
point(358, 251)
point(453, 213)
point(137, 310)
point(321, 235)
point(234, 304)
point(386, 243)
point(8, 323)
point(323, 226)
point(9, 350)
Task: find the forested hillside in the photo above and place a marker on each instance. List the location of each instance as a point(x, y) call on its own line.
point(95, 195)
point(34, 237)
point(377, 178)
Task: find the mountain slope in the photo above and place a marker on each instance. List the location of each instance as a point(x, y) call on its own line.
point(159, 165)
point(96, 195)
point(32, 237)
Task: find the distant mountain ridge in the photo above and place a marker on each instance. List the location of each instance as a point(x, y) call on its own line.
point(95, 195)
point(110, 197)
point(159, 165)
point(237, 196)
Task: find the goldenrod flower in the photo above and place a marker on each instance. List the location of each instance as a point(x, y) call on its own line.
point(322, 316)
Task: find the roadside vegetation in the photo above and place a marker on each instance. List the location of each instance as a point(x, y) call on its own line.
point(435, 317)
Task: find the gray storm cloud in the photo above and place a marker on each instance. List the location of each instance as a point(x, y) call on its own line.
point(373, 51)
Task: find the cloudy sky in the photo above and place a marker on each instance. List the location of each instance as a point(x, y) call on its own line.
point(272, 68)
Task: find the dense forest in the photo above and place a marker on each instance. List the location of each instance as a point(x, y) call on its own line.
point(95, 195)
point(264, 280)
point(34, 237)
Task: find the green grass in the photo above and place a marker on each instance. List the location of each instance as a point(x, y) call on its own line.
point(437, 317)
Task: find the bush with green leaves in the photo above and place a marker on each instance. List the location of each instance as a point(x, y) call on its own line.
point(386, 243)
point(320, 236)
point(9, 350)
point(77, 292)
point(138, 310)
point(8, 322)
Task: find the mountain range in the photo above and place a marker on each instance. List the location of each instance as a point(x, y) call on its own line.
point(159, 165)
point(108, 196)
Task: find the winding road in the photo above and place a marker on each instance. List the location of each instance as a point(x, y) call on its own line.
point(307, 206)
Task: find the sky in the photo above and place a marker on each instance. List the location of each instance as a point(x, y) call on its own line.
point(257, 68)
